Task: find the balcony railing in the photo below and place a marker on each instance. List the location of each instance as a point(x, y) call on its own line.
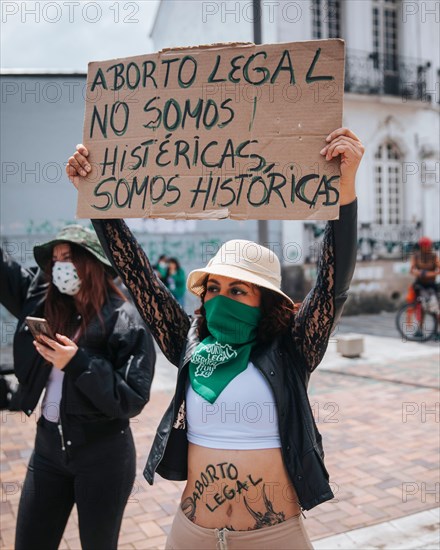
point(388, 241)
point(373, 73)
point(375, 241)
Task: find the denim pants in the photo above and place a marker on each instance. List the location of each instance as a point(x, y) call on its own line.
point(98, 477)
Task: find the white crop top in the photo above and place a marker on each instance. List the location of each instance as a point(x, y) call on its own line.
point(244, 416)
point(52, 397)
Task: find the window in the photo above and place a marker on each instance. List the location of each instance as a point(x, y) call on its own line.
point(388, 178)
point(326, 18)
point(385, 34)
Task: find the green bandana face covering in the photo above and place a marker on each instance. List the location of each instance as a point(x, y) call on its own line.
point(219, 358)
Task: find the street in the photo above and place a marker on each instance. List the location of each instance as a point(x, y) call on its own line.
point(379, 417)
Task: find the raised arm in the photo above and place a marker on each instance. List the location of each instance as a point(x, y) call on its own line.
point(167, 321)
point(322, 307)
point(14, 283)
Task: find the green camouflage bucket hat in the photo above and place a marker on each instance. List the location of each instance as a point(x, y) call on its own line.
point(76, 234)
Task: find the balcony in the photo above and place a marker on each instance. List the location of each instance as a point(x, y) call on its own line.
point(383, 74)
point(375, 241)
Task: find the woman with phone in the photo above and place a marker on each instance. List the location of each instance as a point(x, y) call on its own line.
point(95, 372)
point(240, 428)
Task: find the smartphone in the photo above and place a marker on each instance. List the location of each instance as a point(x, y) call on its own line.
point(39, 326)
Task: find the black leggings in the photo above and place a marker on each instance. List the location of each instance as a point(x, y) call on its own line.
point(97, 477)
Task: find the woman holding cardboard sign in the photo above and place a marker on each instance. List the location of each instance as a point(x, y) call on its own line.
point(240, 428)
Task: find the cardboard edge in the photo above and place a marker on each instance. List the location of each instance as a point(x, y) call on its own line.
point(214, 46)
point(218, 214)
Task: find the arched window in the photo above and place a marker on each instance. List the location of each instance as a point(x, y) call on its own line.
point(389, 189)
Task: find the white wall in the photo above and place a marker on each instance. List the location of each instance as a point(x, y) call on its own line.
point(357, 24)
point(294, 21)
point(41, 122)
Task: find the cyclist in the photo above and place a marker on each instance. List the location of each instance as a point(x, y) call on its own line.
point(425, 265)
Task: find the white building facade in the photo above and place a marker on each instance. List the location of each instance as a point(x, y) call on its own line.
point(391, 101)
point(392, 89)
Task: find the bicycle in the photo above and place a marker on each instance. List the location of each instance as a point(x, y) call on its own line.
point(419, 320)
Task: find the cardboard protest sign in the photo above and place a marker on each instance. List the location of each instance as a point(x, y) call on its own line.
point(219, 131)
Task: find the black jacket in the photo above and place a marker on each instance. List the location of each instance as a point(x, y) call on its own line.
point(106, 382)
point(286, 363)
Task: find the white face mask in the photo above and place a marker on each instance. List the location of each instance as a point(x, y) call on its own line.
point(65, 278)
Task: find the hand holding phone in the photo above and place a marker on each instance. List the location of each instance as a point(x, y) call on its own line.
point(39, 327)
point(61, 351)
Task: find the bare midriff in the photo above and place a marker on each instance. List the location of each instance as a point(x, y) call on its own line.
point(238, 489)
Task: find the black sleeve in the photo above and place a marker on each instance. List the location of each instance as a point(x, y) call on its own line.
point(14, 283)
point(119, 387)
point(168, 322)
point(322, 307)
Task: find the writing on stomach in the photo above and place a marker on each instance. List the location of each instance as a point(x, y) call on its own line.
point(238, 489)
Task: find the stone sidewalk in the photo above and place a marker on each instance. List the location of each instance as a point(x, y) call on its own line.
point(379, 420)
point(415, 532)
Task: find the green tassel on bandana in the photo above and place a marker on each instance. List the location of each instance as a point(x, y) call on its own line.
point(219, 358)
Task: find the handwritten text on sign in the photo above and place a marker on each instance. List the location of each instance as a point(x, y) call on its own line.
point(228, 130)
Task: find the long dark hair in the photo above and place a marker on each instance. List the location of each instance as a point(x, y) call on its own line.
point(277, 315)
point(96, 286)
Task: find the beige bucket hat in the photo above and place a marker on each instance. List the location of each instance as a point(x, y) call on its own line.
point(243, 260)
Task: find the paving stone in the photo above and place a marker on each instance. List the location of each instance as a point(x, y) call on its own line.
point(357, 520)
point(133, 537)
point(151, 529)
point(336, 542)
point(373, 456)
point(8, 538)
point(365, 538)
point(153, 544)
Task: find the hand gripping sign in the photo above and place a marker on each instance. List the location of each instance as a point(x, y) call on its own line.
point(220, 131)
